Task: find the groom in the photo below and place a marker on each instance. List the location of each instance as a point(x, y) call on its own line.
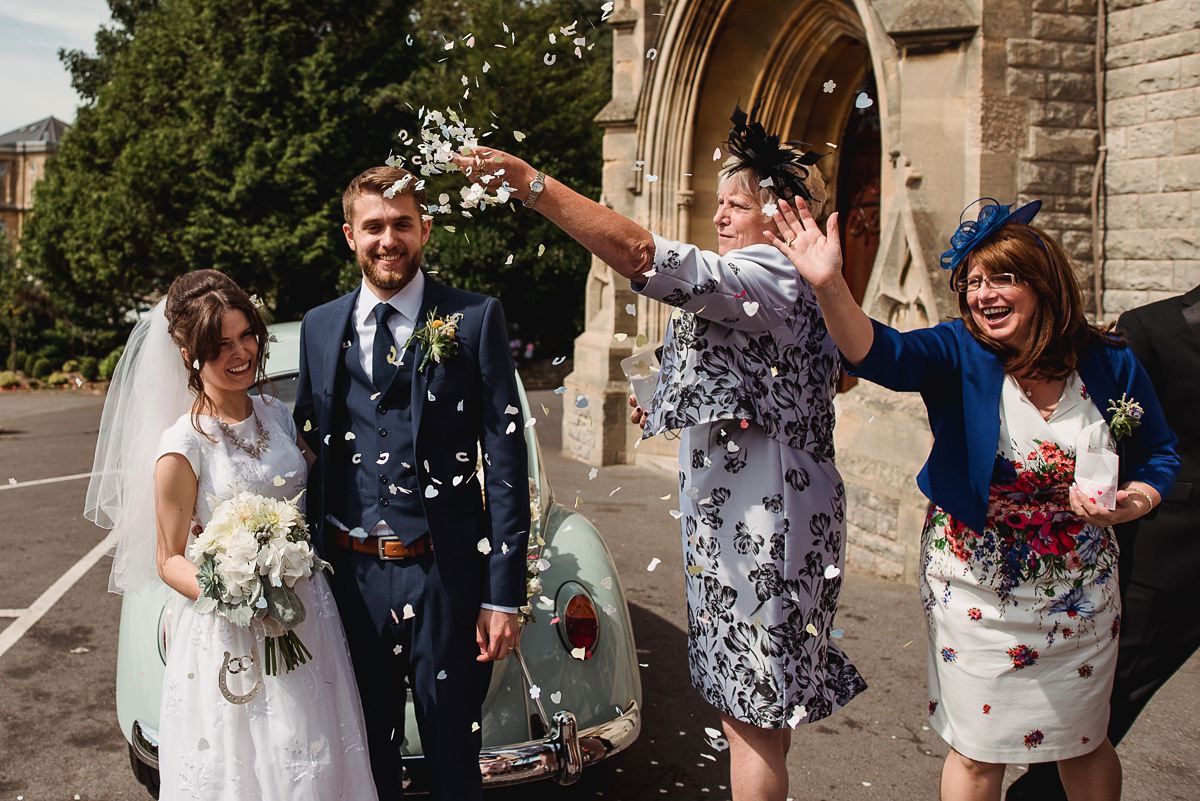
point(429, 567)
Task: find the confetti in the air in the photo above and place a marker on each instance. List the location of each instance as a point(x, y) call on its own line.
point(769, 209)
point(655, 562)
point(606, 582)
point(535, 692)
point(832, 571)
point(484, 546)
point(863, 101)
point(750, 307)
point(829, 86)
point(717, 154)
point(593, 473)
point(408, 612)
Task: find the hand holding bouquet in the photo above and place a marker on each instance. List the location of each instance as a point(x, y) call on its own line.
point(250, 556)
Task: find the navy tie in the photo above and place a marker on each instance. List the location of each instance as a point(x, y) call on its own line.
point(382, 370)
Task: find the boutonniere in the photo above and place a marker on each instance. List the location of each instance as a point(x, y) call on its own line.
point(438, 337)
point(1126, 416)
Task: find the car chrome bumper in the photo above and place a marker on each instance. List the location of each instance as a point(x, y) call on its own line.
point(561, 755)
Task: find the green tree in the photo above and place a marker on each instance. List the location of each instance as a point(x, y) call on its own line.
point(221, 133)
point(552, 106)
point(19, 297)
point(216, 133)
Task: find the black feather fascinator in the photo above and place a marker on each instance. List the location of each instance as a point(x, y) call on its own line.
point(783, 164)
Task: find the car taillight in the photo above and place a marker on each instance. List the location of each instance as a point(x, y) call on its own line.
point(580, 623)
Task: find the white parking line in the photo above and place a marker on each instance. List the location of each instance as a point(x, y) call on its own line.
point(11, 612)
point(57, 590)
point(39, 481)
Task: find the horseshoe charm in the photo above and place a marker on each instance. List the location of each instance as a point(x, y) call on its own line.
point(234, 665)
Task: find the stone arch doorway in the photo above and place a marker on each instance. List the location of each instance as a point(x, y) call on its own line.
point(804, 60)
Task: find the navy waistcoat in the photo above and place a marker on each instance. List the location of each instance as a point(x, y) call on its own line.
point(378, 466)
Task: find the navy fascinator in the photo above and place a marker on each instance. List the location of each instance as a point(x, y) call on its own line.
point(971, 232)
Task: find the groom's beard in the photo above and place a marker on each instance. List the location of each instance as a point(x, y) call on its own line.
point(394, 279)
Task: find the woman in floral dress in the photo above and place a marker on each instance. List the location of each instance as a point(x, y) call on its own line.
point(748, 375)
point(1019, 577)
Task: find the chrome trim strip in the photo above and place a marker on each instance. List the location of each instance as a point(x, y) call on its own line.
point(145, 743)
point(541, 710)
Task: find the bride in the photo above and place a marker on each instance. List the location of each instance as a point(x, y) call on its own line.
point(180, 434)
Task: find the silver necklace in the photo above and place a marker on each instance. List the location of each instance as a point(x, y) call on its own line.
point(260, 444)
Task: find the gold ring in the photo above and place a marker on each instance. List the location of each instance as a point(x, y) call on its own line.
point(790, 241)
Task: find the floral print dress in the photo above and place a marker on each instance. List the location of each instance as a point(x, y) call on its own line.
point(748, 375)
point(1023, 617)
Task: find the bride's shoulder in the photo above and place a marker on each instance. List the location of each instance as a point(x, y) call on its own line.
point(274, 410)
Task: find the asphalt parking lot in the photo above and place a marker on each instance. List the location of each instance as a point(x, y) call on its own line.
point(58, 730)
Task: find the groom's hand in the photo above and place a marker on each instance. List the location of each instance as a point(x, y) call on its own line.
point(497, 633)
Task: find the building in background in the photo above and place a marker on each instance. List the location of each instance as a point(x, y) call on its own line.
point(23, 156)
point(923, 106)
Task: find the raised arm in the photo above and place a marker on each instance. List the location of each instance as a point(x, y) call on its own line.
point(818, 259)
point(612, 237)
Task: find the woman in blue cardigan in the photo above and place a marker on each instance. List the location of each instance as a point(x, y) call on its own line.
point(1019, 565)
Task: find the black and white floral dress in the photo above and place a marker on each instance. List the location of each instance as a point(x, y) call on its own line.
point(748, 375)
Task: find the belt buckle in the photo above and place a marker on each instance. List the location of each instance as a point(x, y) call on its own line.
point(379, 541)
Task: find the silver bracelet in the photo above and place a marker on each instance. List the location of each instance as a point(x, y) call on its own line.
point(1143, 494)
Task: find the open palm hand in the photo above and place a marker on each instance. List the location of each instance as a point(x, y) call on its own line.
point(817, 256)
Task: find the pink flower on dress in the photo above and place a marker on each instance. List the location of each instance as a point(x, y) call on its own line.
point(974, 613)
point(1085, 670)
point(949, 655)
point(932, 707)
point(987, 709)
point(1085, 740)
point(1083, 393)
point(1034, 739)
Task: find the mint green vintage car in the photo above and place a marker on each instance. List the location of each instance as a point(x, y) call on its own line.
point(579, 649)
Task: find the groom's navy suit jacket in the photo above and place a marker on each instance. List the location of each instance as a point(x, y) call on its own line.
point(458, 405)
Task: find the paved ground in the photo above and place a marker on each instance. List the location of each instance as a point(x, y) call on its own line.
point(58, 730)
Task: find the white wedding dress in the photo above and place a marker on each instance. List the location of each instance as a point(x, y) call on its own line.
point(302, 737)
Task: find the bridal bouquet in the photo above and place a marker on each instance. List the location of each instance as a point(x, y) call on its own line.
point(250, 556)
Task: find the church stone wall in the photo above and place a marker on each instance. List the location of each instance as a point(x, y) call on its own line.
point(1152, 180)
point(1051, 61)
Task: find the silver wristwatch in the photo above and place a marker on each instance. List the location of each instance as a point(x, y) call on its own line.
point(535, 189)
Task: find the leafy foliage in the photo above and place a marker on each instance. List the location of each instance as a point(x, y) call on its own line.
point(553, 106)
point(221, 134)
point(211, 144)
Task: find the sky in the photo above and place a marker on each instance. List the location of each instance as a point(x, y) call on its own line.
point(36, 85)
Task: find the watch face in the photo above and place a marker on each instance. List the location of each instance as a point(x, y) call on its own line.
point(537, 186)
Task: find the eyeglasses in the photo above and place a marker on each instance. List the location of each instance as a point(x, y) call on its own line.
point(997, 281)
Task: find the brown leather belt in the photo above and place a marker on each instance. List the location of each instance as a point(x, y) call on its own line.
point(389, 549)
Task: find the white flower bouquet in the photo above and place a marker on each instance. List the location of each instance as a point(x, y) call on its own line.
point(250, 556)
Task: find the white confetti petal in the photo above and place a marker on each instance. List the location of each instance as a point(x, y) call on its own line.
point(750, 306)
point(511, 428)
point(556, 696)
point(655, 562)
point(606, 582)
point(408, 612)
point(431, 491)
point(832, 571)
point(484, 546)
point(535, 692)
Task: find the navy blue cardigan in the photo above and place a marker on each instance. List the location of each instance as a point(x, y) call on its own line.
point(960, 383)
